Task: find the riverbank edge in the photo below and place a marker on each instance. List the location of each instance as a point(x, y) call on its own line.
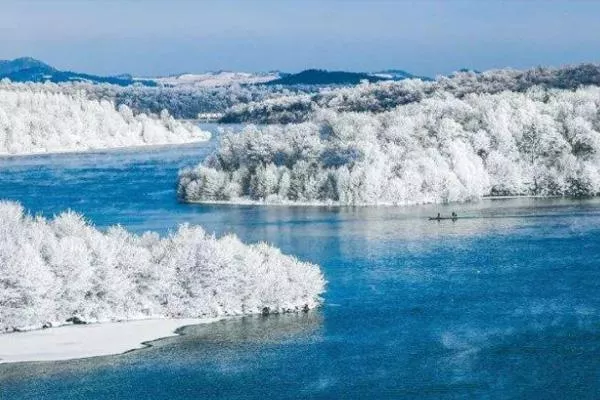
point(289, 203)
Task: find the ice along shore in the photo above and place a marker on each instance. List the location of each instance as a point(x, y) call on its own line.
point(90, 340)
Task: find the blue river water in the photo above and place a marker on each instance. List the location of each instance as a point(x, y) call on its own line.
point(503, 304)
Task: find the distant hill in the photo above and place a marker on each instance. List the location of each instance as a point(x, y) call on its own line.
point(27, 69)
point(324, 77)
point(398, 75)
point(217, 78)
point(20, 64)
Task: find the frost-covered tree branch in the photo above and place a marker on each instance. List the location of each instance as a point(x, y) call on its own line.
point(54, 270)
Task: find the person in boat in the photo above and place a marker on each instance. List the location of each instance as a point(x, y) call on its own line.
point(454, 216)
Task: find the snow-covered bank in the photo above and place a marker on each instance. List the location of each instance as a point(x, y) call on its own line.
point(83, 341)
point(39, 121)
point(442, 149)
point(54, 270)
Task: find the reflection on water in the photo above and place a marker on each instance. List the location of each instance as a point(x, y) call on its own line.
point(195, 343)
point(258, 330)
point(501, 304)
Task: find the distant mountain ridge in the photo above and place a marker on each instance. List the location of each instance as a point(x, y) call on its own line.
point(399, 74)
point(23, 63)
point(27, 69)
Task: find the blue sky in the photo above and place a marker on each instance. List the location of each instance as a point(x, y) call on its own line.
point(157, 37)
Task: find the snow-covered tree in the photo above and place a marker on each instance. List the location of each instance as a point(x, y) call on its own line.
point(36, 120)
point(385, 96)
point(54, 270)
point(440, 149)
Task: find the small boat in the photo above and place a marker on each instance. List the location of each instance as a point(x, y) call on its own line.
point(439, 217)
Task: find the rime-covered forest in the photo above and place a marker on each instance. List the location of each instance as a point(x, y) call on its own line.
point(182, 101)
point(385, 96)
point(54, 270)
point(465, 137)
point(39, 119)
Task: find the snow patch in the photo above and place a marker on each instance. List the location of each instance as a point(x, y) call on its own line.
point(217, 79)
point(83, 341)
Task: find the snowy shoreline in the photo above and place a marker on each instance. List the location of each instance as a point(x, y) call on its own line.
point(92, 340)
point(289, 203)
point(95, 150)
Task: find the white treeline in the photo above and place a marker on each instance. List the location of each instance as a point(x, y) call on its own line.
point(385, 96)
point(54, 270)
point(181, 101)
point(40, 121)
point(442, 149)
